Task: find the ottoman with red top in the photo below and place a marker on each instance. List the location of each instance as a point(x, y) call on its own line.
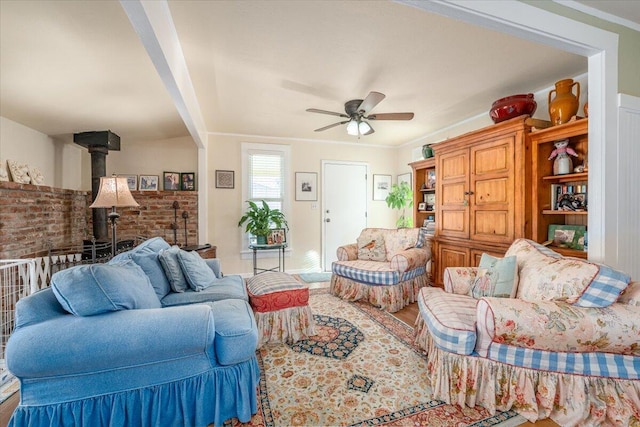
point(281, 308)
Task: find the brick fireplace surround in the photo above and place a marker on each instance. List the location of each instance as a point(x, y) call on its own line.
point(35, 218)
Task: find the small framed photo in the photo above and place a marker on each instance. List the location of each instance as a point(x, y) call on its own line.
point(430, 182)
point(148, 183)
point(306, 186)
point(225, 179)
point(188, 181)
point(381, 186)
point(422, 206)
point(277, 236)
point(132, 181)
point(171, 181)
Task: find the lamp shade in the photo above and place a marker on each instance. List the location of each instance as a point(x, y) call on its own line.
point(113, 192)
point(364, 128)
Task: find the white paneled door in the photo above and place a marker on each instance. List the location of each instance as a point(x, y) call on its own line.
point(344, 204)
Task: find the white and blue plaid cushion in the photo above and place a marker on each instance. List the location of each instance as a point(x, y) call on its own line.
point(593, 364)
point(451, 319)
point(604, 289)
point(368, 272)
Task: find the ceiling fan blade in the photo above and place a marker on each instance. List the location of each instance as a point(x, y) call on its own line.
point(315, 110)
point(390, 116)
point(370, 102)
point(331, 126)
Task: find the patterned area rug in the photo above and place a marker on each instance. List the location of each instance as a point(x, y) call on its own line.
point(362, 369)
point(314, 277)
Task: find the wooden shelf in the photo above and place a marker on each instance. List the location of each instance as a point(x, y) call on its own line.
point(581, 176)
point(569, 252)
point(427, 212)
point(427, 190)
point(557, 212)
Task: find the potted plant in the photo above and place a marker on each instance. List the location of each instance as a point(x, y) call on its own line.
point(259, 220)
point(401, 197)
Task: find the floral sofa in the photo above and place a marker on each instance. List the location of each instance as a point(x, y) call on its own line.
point(155, 337)
point(386, 267)
point(567, 347)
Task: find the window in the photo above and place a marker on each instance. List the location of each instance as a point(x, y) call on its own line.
point(266, 176)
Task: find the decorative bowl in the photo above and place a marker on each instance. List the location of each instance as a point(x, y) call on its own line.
point(512, 106)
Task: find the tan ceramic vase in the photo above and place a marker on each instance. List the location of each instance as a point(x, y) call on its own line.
point(565, 104)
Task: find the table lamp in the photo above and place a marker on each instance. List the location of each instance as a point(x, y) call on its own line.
point(113, 193)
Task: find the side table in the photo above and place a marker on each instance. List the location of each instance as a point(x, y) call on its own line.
point(280, 247)
point(206, 251)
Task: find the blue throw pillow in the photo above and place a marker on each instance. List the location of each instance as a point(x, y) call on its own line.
point(87, 290)
point(150, 264)
point(195, 270)
point(171, 266)
point(498, 277)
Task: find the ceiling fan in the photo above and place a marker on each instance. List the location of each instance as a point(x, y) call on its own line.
point(356, 112)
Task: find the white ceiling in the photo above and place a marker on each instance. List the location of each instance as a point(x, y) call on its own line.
point(71, 66)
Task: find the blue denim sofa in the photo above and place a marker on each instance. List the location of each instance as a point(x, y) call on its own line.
point(112, 344)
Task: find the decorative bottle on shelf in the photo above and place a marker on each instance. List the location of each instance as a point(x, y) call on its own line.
point(565, 104)
point(427, 151)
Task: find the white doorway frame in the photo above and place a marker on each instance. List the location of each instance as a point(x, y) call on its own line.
point(324, 193)
point(601, 49)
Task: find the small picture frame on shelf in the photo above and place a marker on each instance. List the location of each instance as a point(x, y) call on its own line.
point(422, 206)
point(148, 183)
point(430, 182)
point(277, 236)
point(132, 181)
point(188, 181)
point(171, 181)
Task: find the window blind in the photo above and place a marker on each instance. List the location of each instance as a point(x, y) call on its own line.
point(266, 178)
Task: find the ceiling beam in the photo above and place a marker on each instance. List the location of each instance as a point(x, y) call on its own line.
point(154, 25)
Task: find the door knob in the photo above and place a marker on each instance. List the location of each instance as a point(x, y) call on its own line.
point(327, 220)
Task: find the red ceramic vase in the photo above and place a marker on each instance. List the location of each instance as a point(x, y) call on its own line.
point(512, 106)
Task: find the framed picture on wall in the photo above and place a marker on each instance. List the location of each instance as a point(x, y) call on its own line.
point(306, 186)
point(188, 181)
point(171, 181)
point(381, 186)
point(225, 179)
point(132, 181)
point(405, 177)
point(148, 183)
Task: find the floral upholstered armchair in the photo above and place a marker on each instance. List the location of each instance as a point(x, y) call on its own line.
point(567, 347)
point(386, 267)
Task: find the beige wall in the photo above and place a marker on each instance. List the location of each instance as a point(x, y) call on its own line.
point(58, 161)
point(226, 206)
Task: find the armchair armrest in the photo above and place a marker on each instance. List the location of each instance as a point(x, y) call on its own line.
point(214, 264)
point(110, 341)
point(347, 252)
point(558, 326)
point(458, 280)
point(409, 259)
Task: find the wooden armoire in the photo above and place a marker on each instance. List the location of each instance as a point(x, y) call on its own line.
point(483, 189)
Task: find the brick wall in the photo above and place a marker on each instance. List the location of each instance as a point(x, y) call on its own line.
point(36, 218)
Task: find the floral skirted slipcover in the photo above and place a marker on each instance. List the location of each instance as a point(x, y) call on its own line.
point(386, 267)
point(281, 308)
point(571, 353)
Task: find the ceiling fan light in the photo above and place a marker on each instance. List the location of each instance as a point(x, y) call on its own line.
point(352, 128)
point(364, 128)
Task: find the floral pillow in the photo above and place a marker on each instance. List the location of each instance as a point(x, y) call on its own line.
point(371, 245)
point(399, 240)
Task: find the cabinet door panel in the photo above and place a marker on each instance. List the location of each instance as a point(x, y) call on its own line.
point(450, 256)
point(492, 225)
point(452, 215)
point(492, 216)
point(492, 191)
point(476, 254)
point(494, 157)
point(454, 222)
